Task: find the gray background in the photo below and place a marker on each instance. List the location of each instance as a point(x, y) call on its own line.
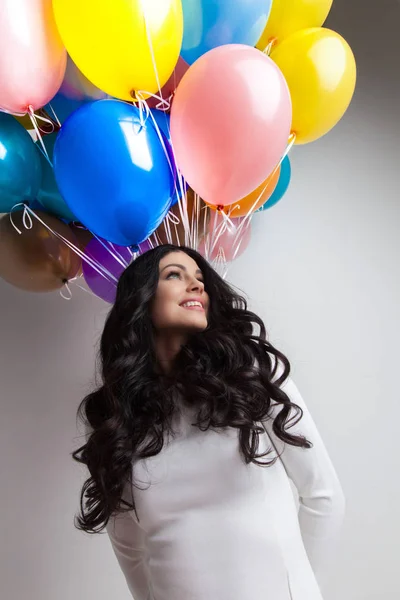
point(322, 269)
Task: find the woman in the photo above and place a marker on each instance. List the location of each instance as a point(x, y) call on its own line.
point(193, 437)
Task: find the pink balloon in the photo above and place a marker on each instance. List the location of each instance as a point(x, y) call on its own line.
point(32, 56)
point(172, 83)
point(230, 244)
point(230, 122)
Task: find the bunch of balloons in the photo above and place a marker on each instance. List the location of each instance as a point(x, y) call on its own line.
point(152, 121)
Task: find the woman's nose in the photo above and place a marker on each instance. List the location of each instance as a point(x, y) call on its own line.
point(196, 286)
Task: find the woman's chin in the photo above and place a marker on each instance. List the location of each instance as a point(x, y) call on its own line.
point(196, 323)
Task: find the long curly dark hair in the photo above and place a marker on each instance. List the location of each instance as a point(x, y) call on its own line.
point(225, 372)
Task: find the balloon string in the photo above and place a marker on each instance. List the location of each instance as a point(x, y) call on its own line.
point(81, 287)
point(156, 242)
point(139, 95)
point(220, 263)
point(225, 271)
point(195, 231)
point(171, 221)
point(34, 118)
point(245, 223)
point(182, 205)
point(46, 156)
point(112, 252)
point(250, 213)
point(167, 229)
point(163, 104)
point(150, 43)
point(174, 219)
point(67, 287)
point(227, 224)
point(238, 240)
point(217, 232)
point(98, 267)
point(145, 106)
point(40, 117)
point(27, 220)
point(55, 115)
point(206, 211)
point(124, 262)
point(268, 49)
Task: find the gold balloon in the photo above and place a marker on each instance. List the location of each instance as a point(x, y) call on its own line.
point(83, 236)
point(178, 229)
point(36, 260)
point(25, 121)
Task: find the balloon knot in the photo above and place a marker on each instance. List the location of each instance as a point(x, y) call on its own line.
point(220, 207)
point(135, 248)
point(79, 225)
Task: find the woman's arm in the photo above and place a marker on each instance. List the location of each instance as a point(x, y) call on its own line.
point(129, 544)
point(128, 541)
point(322, 502)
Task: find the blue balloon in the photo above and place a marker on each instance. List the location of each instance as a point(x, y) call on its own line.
point(20, 170)
point(163, 121)
point(212, 23)
point(112, 171)
point(49, 195)
point(282, 186)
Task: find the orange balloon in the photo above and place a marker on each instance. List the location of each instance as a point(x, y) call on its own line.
point(255, 199)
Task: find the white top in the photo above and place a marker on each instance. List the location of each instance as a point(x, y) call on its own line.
point(213, 528)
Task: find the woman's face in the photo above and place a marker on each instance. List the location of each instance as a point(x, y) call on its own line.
point(180, 303)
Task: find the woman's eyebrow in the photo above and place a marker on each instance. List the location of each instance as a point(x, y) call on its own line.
point(173, 265)
point(180, 267)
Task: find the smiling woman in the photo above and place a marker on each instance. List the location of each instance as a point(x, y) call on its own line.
point(180, 304)
point(194, 401)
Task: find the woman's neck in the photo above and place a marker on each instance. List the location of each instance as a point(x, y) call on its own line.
point(168, 345)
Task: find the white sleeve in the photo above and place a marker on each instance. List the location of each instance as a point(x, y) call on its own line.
point(321, 498)
point(128, 541)
point(129, 544)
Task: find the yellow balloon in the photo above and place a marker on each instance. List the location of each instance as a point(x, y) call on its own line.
point(121, 46)
point(289, 16)
point(320, 70)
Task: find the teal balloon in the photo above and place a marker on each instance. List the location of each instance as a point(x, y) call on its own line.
point(282, 186)
point(20, 168)
point(49, 195)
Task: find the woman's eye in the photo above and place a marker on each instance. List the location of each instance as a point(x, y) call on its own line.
point(173, 275)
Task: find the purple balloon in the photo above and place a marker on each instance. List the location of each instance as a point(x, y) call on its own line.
point(113, 258)
point(144, 246)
